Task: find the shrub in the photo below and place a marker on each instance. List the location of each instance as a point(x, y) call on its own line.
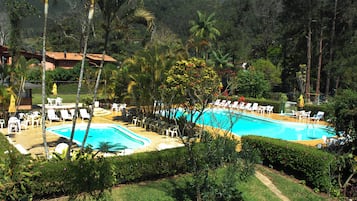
point(91, 175)
point(303, 162)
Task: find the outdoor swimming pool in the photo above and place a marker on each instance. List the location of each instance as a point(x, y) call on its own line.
point(116, 135)
point(247, 124)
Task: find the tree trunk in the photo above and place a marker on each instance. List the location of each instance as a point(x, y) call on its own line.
point(44, 80)
point(106, 39)
point(90, 17)
point(308, 67)
point(332, 40)
point(319, 68)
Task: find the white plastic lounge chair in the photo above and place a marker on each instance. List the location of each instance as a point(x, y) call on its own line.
point(84, 114)
point(318, 116)
point(247, 106)
point(65, 115)
point(217, 102)
point(227, 104)
point(222, 103)
point(241, 106)
point(305, 115)
point(234, 105)
point(254, 107)
point(72, 112)
point(52, 116)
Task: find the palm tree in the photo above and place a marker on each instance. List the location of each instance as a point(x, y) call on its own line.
point(90, 17)
point(44, 79)
point(109, 9)
point(19, 74)
point(203, 32)
point(223, 66)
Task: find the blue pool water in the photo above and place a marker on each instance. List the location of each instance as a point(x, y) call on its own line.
point(114, 134)
point(245, 124)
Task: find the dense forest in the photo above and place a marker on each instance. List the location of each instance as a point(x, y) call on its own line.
point(312, 43)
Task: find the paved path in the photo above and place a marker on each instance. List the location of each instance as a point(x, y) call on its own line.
point(266, 181)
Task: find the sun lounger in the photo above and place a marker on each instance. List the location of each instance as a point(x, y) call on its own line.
point(84, 114)
point(247, 106)
point(65, 115)
point(234, 105)
point(52, 116)
point(217, 102)
point(254, 107)
point(318, 116)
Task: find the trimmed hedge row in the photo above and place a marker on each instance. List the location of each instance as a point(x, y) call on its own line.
point(303, 162)
point(87, 175)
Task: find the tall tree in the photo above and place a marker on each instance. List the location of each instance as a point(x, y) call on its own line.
point(109, 9)
point(332, 45)
point(17, 11)
point(309, 47)
point(204, 32)
point(90, 17)
point(44, 79)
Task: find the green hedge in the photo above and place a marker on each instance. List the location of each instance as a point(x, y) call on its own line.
point(86, 175)
point(303, 162)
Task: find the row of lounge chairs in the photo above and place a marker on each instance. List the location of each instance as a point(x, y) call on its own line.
point(302, 114)
point(66, 115)
point(23, 120)
point(243, 106)
point(156, 125)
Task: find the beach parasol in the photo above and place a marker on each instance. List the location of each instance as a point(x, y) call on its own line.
point(301, 101)
point(54, 89)
point(12, 106)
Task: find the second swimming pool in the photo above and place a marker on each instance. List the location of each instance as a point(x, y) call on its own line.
point(244, 124)
point(116, 135)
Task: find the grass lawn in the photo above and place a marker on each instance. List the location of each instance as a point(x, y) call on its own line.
point(171, 189)
point(66, 91)
point(290, 187)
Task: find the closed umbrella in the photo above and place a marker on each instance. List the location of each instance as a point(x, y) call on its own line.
point(12, 106)
point(54, 89)
point(301, 102)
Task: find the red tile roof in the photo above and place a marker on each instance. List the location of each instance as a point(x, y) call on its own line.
point(78, 56)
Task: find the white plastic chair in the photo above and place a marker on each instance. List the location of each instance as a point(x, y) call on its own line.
point(2, 123)
point(84, 114)
point(52, 116)
point(318, 116)
point(65, 115)
point(172, 131)
point(115, 107)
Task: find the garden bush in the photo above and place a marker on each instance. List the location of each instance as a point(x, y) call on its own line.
point(90, 175)
point(303, 162)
